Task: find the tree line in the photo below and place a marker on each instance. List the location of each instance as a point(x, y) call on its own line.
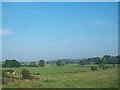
point(106, 59)
point(15, 63)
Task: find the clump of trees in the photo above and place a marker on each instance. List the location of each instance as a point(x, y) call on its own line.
point(105, 59)
point(26, 74)
point(11, 63)
point(82, 62)
point(60, 63)
point(41, 63)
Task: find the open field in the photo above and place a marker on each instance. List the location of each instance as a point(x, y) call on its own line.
point(68, 76)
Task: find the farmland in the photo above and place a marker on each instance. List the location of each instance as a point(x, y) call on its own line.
point(68, 76)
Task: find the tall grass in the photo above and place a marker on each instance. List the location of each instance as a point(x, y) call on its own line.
point(69, 76)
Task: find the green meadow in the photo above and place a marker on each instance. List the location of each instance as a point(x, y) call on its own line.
point(68, 76)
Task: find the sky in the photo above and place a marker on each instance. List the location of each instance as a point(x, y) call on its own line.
point(34, 31)
point(60, 0)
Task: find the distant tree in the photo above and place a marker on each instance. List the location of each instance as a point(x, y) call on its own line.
point(107, 59)
point(41, 63)
point(48, 62)
point(26, 74)
point(60, 63)
point(32, 64)
point(11, 63)
point(82, 62)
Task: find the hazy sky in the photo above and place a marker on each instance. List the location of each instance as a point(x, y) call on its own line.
point(34, 31)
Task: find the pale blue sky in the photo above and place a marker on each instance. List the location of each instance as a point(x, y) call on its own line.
point(34, 31)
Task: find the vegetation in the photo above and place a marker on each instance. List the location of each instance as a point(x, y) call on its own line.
point(82, 62)
point(41, 63)
point(26, 74)
point(11, 63)
point(69, 76)
point(60, 63)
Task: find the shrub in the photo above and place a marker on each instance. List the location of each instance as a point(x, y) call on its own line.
point(93, 68)
point(26, 74)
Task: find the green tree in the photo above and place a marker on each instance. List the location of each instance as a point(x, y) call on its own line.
point(107, 59)
point(82, 62)
point(11, 63)
point(60, 63)
point(41, 63)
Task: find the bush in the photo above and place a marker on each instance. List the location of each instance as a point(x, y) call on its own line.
point(93, 68)
point(26, 74)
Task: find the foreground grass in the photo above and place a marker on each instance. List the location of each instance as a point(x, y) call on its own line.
point(69, 76)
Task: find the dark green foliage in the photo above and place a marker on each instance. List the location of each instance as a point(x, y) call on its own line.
point(26, 74)
point(110, 59)
point(97, 60)
point(93, 60)
point(93, 68)
point(60, 63)
point(31, 66)
point(11, 63)
point(41, 63)
point(82, 62)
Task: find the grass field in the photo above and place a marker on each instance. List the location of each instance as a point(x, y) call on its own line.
point(68, 76)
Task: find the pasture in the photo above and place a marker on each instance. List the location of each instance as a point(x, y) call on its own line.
point(68, 76)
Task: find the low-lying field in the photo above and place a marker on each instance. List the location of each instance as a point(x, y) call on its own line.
point(68, 76)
